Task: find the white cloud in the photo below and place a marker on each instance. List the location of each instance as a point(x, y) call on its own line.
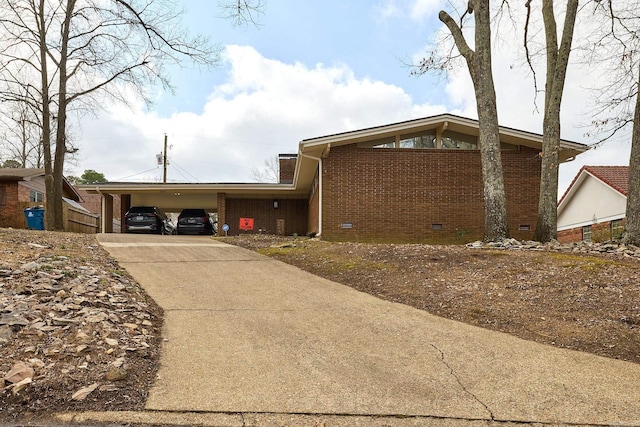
point(386, 9)
point(416, 11)
point(421, 9)
point(264, 107)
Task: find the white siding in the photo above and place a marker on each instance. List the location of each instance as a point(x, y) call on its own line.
point(593, 202)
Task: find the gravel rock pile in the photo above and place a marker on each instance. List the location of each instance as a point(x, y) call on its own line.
point(74, 327)
point(610, 247)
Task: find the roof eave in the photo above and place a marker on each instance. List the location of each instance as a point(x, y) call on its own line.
point(316, 146)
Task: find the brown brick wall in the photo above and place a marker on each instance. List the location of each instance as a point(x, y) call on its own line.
point(222, 212)
point(570, 236)
point(600, 232)
point(287, 169)
point(9, 204)
point(397, 195)
point(93, 202)
point(24, 192)
point(293, 211)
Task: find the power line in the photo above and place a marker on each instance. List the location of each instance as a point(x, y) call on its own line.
point(136, 174)
point(180, 168)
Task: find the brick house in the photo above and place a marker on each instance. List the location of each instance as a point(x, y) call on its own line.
point(418, 181)
point(21, 188)
point(593, 206)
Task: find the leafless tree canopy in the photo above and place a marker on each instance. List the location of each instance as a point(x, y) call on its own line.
point(243, 12)
point(615, 49)
point(270, 172)
point(58, 56)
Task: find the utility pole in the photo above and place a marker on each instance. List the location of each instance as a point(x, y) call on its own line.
point(164, 161)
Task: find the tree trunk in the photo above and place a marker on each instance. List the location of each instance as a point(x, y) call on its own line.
point(61, 146)
point(495, 202)
point(46, 113)
point(632, 235)
point(557, 63)
point(479, 64)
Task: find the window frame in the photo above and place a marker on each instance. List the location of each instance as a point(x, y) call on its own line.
point(35, 196)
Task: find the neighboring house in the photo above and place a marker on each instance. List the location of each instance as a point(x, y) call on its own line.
point(418, 181)
point(593, 207)
point(21, 188)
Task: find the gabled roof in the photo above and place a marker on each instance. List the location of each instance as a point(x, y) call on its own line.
point(616, 177)
point(20, 174)
point(27, 174)
point(311, 150)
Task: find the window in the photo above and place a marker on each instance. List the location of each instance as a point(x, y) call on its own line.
point(460, 141)
point(430, 139)
point(383, 145)
point(617, 229)
point(449, 142)
point(36, 196)
point(586, 233)
point(422, 141)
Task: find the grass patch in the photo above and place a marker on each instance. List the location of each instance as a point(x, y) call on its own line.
point(275, 251)
point(585, 262)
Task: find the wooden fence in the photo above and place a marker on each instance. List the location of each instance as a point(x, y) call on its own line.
point(75, 220)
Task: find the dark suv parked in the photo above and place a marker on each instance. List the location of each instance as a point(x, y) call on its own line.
point(194, 221)
point(146, 219)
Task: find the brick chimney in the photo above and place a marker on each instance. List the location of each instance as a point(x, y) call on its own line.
point(287, 163)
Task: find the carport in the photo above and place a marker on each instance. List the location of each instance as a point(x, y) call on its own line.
point(275, 208)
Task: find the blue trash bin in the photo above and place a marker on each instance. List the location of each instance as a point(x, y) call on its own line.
point(35, 218)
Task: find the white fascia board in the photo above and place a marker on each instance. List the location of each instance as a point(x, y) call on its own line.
point(221, 188)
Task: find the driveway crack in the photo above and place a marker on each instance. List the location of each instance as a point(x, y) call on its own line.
point(459, 381)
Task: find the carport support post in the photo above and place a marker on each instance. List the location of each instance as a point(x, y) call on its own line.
point(222, 209)
point(107, 213)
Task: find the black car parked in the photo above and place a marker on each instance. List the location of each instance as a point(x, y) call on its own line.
point(194, 221)
point(146, 219)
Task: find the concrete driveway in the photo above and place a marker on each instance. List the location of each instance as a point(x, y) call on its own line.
point(246, 334)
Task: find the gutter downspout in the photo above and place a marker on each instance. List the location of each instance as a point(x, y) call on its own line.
point(319, 159)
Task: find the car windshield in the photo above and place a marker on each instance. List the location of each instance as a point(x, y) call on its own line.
point(142, 209)
point(193, 212)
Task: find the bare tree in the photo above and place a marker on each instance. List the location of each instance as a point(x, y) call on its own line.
point(618, 102)
point(557, 56)
point(243, 12)
point(81, 53)
point(21, 140)
point(270, 172)
point(632, 234)
point(479, 64)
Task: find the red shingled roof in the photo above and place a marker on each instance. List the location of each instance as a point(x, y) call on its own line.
point(616, 177)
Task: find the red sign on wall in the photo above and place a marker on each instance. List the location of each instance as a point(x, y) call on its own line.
point(246, 224)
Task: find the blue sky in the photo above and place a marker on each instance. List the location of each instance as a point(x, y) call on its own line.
point(376, 42)
point(311, 69)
